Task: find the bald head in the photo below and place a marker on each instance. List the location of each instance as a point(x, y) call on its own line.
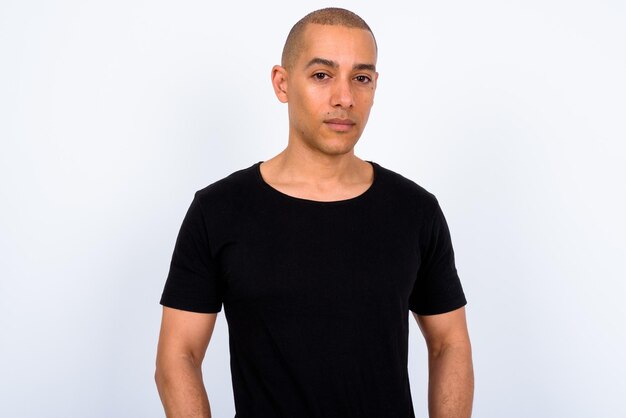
point(333, 16)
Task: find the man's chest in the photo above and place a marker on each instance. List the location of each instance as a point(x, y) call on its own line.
point(319, 259)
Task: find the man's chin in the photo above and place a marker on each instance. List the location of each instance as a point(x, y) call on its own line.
point(339, 148)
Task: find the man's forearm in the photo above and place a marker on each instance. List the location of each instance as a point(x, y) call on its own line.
point(451, 382)
point(182, 390)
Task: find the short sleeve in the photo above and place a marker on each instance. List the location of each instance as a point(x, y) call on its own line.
point(193, 283)
point(437, 288)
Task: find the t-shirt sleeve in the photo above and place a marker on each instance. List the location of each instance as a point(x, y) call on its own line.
point(193, 280)
point(437, 288)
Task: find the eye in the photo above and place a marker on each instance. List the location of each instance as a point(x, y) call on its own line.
point(320, 76)
point(362, 79)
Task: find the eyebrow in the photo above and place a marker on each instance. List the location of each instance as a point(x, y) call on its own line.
point(333, 64)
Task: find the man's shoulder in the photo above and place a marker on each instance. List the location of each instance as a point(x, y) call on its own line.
point(399, 186)
point(236, 184)
point(232, 182)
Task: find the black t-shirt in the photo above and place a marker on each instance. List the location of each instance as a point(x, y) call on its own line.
point(316, 294)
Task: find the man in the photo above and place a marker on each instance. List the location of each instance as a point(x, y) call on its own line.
point(317, 257)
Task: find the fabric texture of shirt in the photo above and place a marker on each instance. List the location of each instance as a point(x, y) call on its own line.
point(316, 294)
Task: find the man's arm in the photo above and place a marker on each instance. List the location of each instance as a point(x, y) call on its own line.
point(451, 374)
point(183, 341)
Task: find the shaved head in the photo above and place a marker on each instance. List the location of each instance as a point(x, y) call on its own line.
point(333, 16)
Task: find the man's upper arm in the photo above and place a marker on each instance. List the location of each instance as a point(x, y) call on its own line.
point(184, 334)
point(440, 330)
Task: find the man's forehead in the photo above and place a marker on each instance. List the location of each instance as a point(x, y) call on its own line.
point(327, 41)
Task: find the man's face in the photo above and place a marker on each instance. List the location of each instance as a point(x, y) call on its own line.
point(330, 88)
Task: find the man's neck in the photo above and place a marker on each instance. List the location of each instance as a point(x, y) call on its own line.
point(317, 176)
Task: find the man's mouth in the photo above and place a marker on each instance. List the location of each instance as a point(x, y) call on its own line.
point(339, 125)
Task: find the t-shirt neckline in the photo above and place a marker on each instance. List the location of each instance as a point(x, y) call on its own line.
point(276, 192)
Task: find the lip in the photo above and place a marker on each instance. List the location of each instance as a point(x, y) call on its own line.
point(340, 125)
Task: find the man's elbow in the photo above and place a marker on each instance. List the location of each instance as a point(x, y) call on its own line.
point(172, 367)
point(160, 376)
point(440, 348)
point(164, 372)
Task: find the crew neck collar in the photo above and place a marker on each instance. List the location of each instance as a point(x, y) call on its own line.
point(266, 186)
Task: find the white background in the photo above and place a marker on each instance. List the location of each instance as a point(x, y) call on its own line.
point(112, 114)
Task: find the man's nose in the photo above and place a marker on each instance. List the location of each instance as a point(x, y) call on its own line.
point(342, 94)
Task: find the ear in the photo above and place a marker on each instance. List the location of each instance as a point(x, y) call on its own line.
point(279, 82)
